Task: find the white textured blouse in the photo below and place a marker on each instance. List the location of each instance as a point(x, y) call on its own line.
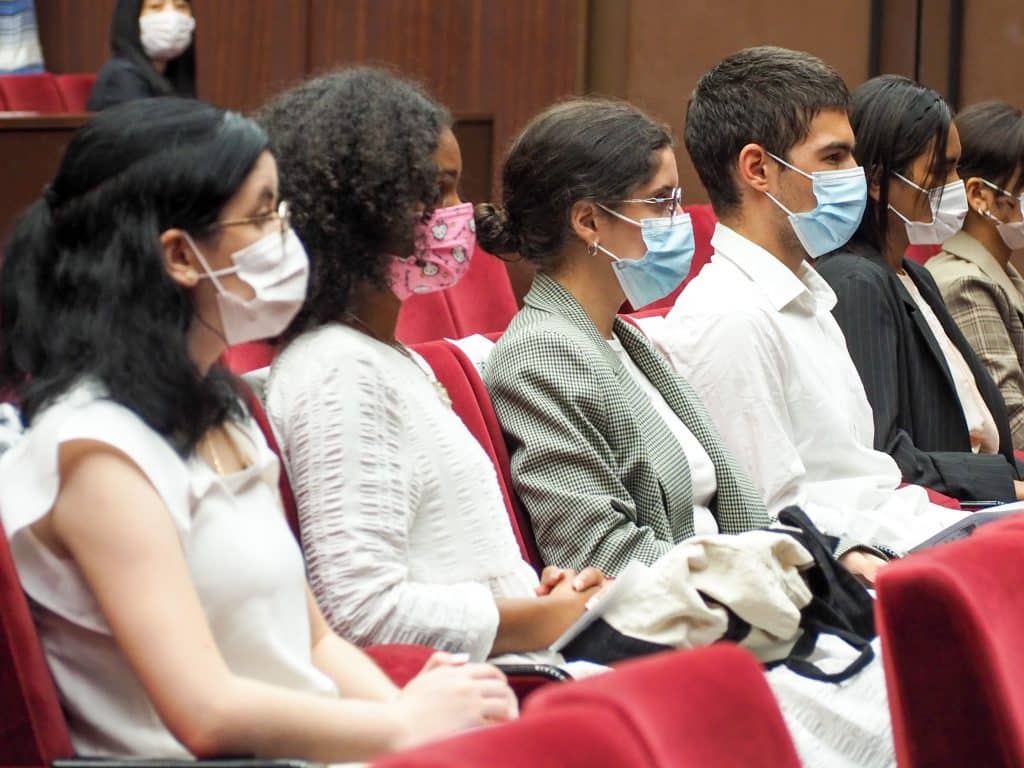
point(404, 527)
point(244, 563)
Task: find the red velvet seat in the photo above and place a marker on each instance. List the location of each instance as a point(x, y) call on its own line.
point(3, 101)
point(32, 93)
point(472, 403)
point(574, 737)
point(921, 253)
point(75, 90)
point(243, 358)
point(951, 621)
point(32, 729)
point(705, 707)
point(482, 302)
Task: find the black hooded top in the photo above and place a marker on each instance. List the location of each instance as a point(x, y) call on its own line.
point(129, 74)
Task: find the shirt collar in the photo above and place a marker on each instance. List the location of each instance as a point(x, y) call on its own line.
point(778, 283)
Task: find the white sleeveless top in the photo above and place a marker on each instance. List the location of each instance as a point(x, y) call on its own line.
point(244, 562)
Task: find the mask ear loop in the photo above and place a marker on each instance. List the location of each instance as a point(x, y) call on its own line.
point(210, 273)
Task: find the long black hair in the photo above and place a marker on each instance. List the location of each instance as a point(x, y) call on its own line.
point(355, 151)
point(582, 149)
point(83, 288)
point(895, 120)
point(178, 79)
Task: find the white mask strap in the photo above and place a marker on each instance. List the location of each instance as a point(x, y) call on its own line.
point(618, 215)
point(210, 273)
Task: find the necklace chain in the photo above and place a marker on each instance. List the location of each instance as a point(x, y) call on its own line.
point(356, 322)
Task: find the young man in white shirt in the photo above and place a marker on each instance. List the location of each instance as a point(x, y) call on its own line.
point(768, 132)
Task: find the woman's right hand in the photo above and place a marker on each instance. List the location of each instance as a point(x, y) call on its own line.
point(447, 698)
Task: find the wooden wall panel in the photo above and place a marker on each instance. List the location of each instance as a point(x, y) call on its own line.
point(503, 60)
point(75, 34)
point(669, 46)
point(993, 52)
point(246, 50)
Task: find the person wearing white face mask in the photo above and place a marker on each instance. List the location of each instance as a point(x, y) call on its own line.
point(981, 287)
point(936, 409)
point(141, 504)
point(153, 53)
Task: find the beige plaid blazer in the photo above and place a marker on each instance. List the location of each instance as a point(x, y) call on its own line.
point(987, 303)
point(603, 479)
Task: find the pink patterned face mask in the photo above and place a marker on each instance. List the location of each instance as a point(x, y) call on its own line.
point(444, 245)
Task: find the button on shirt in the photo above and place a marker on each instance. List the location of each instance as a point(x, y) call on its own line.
point(762, 349)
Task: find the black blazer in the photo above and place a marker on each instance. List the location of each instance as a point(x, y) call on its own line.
point(918, 417)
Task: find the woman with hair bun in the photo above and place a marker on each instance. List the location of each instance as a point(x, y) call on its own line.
point(613, 455)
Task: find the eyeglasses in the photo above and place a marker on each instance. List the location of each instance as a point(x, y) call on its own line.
point(281, 215)
point(674, 201)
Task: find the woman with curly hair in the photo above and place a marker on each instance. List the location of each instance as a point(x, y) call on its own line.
point(141, 504)
point(403, 523)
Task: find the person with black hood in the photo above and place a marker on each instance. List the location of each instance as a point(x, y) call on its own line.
point(153, 53)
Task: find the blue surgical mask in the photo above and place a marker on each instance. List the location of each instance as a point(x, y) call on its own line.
point(842, 197)
point(669, 241)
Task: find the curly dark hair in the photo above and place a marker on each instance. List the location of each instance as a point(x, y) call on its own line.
point(355, 151)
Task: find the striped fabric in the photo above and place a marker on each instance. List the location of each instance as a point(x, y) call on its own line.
point(602, 477)
point(19, 38)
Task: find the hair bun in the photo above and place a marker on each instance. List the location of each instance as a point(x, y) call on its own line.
point(494, 233)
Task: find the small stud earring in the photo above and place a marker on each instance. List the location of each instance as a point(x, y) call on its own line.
point(192, 275)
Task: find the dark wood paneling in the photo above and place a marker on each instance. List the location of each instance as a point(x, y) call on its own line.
point(246, 50)
point(476, 143)
point(31, 147)
point(993, 51)
point(75, 34)
point(506, 60)
point(670, 45)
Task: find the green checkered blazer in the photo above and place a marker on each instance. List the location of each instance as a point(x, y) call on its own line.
point(602, 477)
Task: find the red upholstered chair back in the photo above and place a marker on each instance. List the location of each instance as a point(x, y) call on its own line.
point(32, 93)
point(473, 405)
point(706, 707)
point(704, 221)
point(3, 101)
point(951, 621)
point(75, 90)
point(243, 358)
point(259, 415)
point(921, 253)
point(32, 727)
point(426, 317)
point(574, 737)
point(481, 302)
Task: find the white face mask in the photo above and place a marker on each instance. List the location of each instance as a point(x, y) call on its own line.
point(277, 268)
point(1012, 232)
point(949, 209)
point(166, 35)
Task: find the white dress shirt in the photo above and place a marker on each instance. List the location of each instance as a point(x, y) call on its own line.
point(762, 349)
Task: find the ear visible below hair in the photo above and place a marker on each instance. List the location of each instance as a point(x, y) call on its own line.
point(979, 196)
point(179, 261)
point(752, 169)
point(874, 184)
point(583, 221)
